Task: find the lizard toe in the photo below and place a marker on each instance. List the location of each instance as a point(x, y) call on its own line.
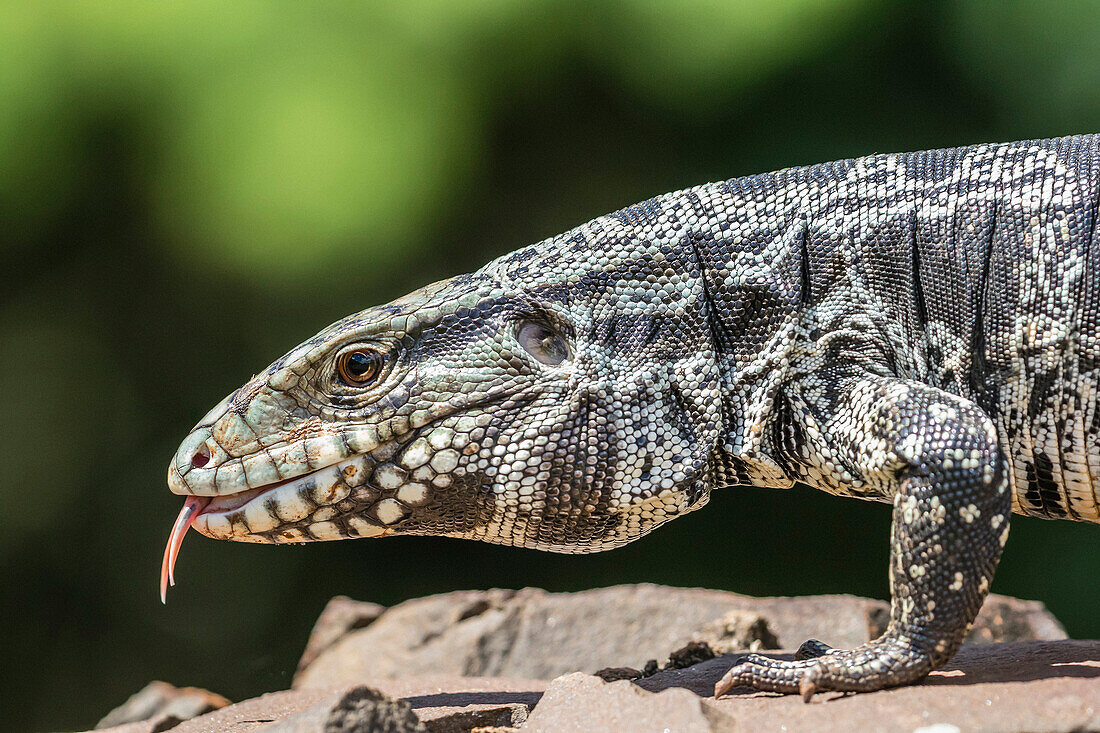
point(763, 673)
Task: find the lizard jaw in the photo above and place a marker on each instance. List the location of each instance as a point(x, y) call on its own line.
point(254, 515)
point(366, 494)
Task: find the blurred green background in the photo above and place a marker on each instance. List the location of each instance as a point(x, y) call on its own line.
point(190, 189)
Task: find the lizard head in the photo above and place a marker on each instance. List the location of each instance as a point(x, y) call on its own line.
point(486, 407)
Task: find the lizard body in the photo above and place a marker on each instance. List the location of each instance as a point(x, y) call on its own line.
point(920, 329)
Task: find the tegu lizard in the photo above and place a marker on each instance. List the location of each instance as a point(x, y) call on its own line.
point(921, 329)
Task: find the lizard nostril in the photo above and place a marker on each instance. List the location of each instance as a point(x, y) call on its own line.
point(201, 457)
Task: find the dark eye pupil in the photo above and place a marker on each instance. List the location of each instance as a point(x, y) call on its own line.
point(357, 368)
point(544, 344)
point(359, 364)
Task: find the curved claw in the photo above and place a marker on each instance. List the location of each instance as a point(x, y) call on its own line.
point(724, 685)
point(730, 678)
point(807, 687)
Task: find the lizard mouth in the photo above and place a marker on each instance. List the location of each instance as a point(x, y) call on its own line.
point(258, 511)
point(365, 495)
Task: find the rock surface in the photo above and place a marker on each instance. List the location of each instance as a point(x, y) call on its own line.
point(535, 634)
point(1022, 686)
point(160, 706)
point(361, 708)
point(581, 702)
point(539, 635)
point(424, 666)
point(440, 705)
point(736, 630)
point(341, 616)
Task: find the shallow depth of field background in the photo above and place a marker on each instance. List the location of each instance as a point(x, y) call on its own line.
point(187, 190)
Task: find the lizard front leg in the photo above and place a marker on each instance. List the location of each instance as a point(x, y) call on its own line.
point(936, 454)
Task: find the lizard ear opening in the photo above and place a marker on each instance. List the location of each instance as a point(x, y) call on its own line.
point(544, 344)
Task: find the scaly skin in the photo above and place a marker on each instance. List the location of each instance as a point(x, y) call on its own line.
point(919, 329)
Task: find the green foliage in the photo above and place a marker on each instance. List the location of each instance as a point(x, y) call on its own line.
point(279, 138)
point(1039, 59)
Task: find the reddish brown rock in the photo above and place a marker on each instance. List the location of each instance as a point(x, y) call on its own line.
point(614, 674)
point(738, 630)
point(143, 726)
point(371, 668)
point(159, 706)
point(1025, 686)
point(258, 712)
point(440, 704)
point(535, 634)
point(358, 709)
point(1030, 686)
point(1011, 619)
point(581, 702)
point(340, 616)
point(433, 635)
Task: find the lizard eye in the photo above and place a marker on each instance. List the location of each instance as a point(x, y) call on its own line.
point(359, 367)
point(543, 343)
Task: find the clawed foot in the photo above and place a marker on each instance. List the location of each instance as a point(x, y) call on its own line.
point(774, 675)
point(818, 667)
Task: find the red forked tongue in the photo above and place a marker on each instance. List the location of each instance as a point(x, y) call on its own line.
point(191, 509)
